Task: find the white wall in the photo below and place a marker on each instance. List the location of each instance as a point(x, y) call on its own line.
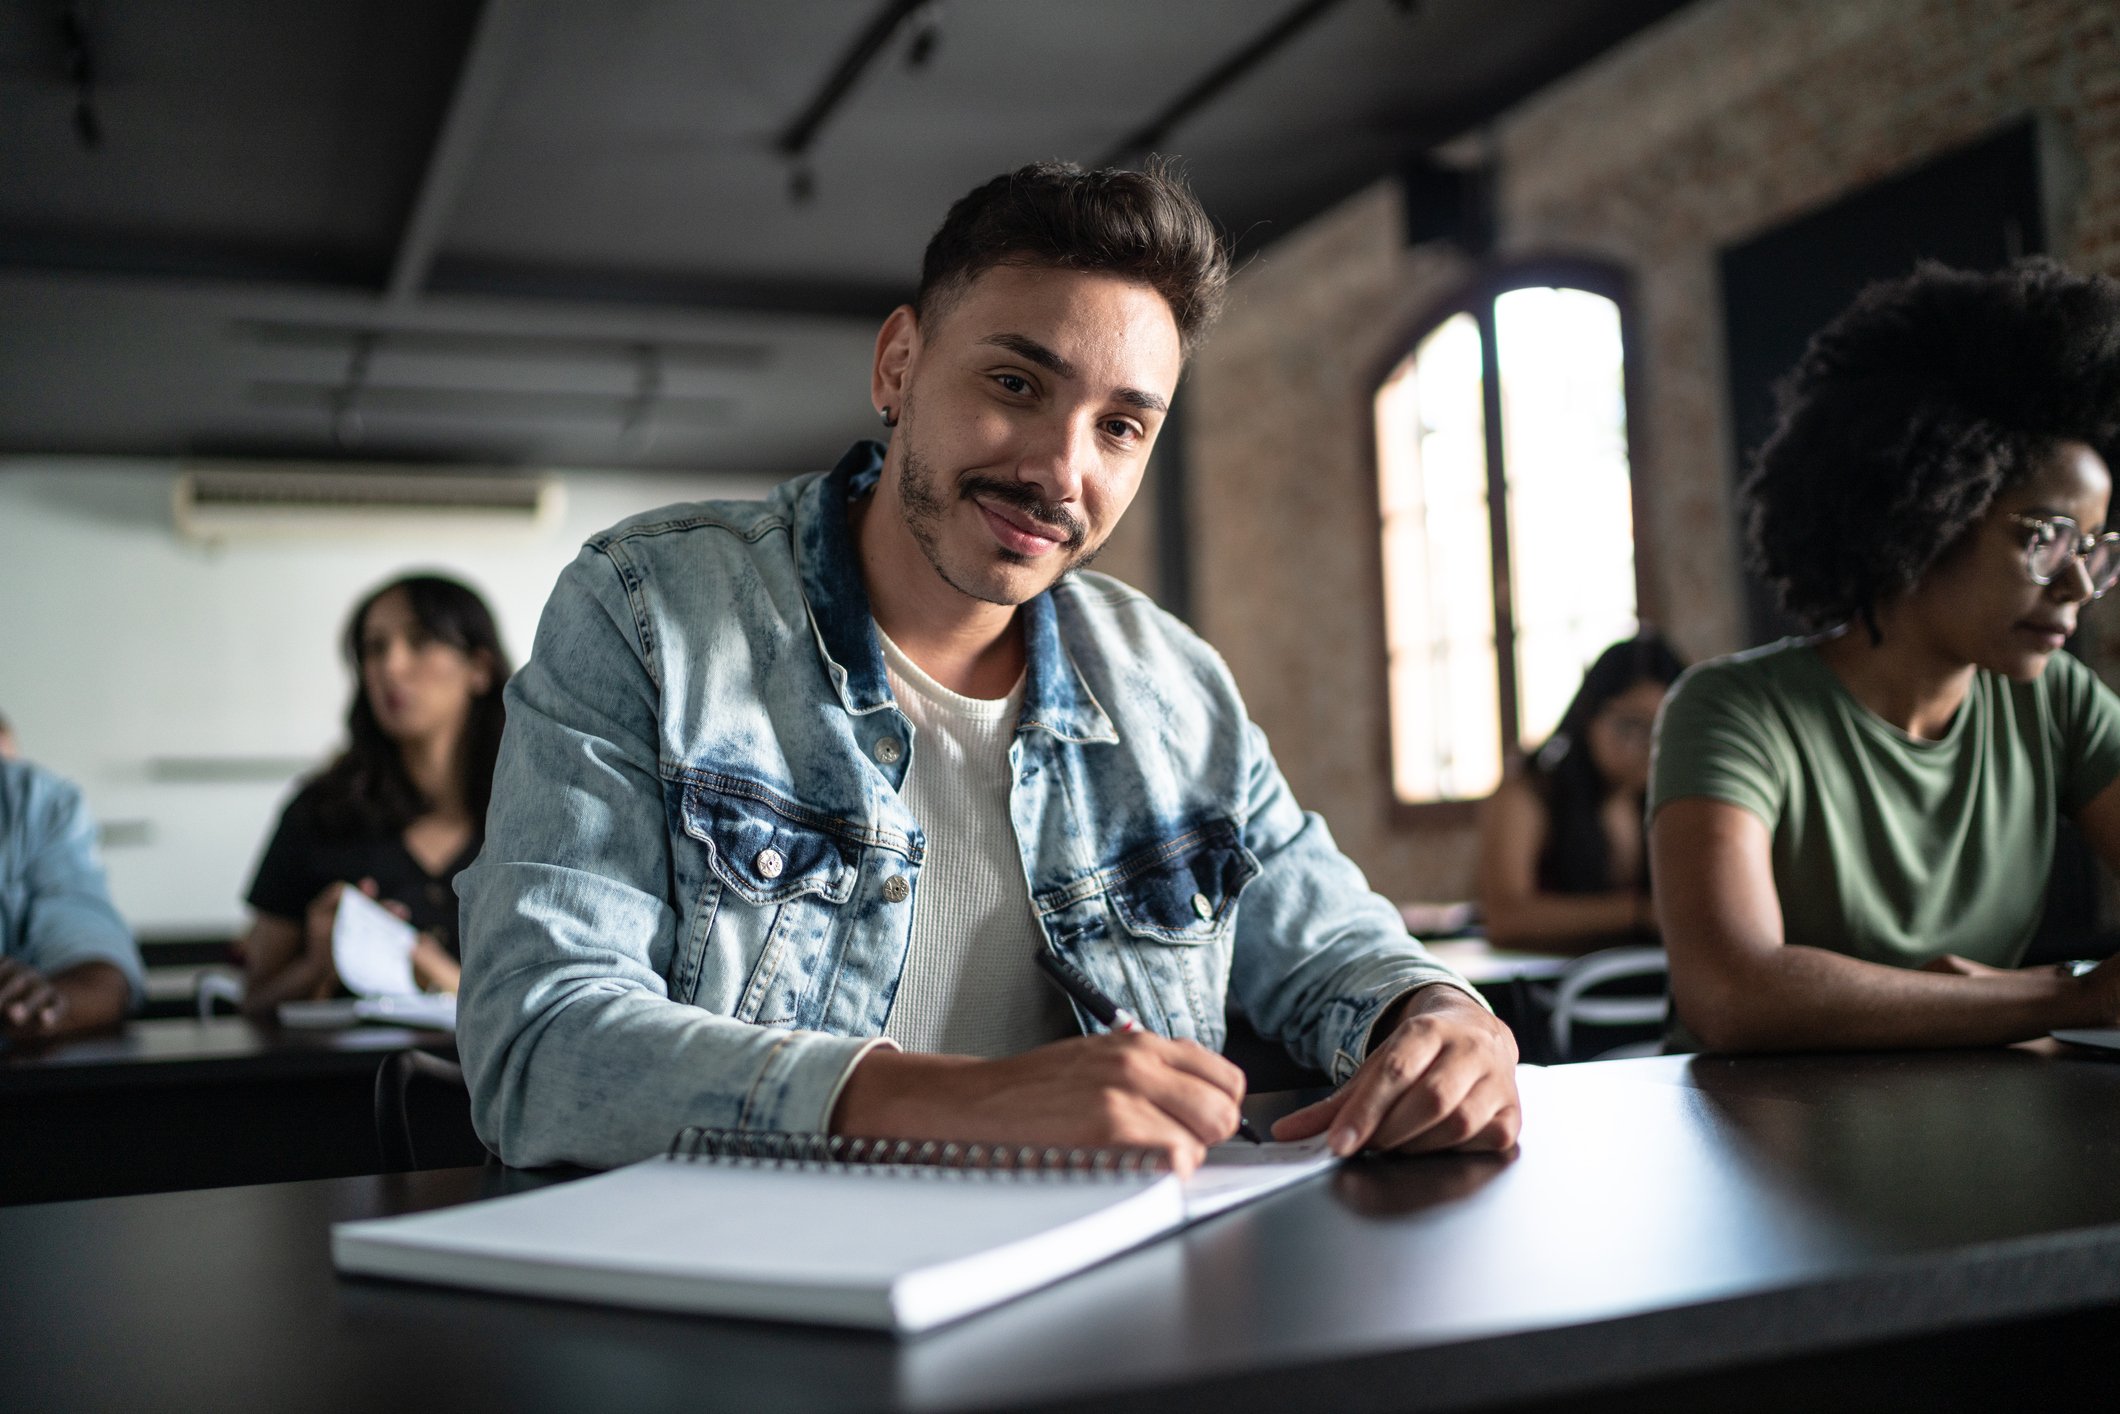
point(137, 663)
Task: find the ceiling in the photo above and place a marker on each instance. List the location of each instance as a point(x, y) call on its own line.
point(599, 232)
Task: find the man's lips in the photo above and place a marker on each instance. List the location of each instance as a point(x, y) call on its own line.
point(1017, 531)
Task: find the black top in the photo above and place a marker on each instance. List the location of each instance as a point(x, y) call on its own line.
point(1576, 857)
point(304, 857)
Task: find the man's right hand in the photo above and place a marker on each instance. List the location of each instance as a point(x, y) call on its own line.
point(1133, 1089)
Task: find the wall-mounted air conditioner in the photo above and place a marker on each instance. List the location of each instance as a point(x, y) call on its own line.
point(220, 501)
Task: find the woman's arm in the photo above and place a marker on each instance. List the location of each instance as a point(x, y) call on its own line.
point(1740, 986)
point(286, 960)
point(432, 966)
point(1518, 912)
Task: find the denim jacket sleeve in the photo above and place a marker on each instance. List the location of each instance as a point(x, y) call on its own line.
point(68, 919)
point(1318, 954)
point(573, 1047)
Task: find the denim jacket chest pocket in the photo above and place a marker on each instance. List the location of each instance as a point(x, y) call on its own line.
point(770, 880)
point(1171, 904)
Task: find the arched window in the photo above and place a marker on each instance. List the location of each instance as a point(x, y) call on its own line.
point(1508, 523)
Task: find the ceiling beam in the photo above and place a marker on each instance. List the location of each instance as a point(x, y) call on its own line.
point(796, 138)
point(1151, 134)
point(703, 289)
point(478, 89)
point(239, 306)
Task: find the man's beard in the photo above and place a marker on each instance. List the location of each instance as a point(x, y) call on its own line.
point(926, 502)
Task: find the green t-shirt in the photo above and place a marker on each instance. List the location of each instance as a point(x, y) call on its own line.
point(1885, 847)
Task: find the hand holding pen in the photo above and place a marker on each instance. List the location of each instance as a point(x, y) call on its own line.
point(1108, 1013)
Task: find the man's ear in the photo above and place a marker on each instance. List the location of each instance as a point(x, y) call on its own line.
point(897, 348)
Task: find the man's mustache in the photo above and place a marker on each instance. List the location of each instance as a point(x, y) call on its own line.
point(1035, 507)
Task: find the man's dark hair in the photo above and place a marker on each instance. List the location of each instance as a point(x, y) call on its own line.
point(1910, 411)
point(1144, 226)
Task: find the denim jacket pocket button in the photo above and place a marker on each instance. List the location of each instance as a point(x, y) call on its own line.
point(769, 863)
point(1182, 889)
point(896, 888)
point(888, 750)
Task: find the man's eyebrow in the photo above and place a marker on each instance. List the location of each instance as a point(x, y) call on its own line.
point(1034, 351)
point(1029, 348)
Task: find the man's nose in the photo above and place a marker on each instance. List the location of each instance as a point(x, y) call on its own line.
point(1061, 458)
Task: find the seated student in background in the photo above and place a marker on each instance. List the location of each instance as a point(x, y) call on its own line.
point(403, 809)
point(1563, 861)
point(796, 792)
point(1851, 832)
point(67, 961)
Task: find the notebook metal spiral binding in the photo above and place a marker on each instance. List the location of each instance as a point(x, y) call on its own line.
point(922, 1155)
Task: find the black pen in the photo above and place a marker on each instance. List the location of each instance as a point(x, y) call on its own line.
point(1109, 1013)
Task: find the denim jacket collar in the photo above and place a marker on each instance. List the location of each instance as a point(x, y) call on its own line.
point(1056, 699)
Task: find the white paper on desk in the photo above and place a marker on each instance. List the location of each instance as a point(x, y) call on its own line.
point(372, 948)
point(435, 1011)
point(1238, 1171)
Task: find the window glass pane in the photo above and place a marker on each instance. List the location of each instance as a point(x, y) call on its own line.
point(1438, 570)
point(1569, 502)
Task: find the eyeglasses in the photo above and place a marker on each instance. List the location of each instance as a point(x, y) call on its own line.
point(2052, 542)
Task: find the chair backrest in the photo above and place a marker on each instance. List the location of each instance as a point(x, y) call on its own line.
point(394, 1129)
point(210, 987)
point(1573, 1004)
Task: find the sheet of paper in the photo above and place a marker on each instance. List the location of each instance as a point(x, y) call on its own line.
point(372, 948)
point(1238, 1171)
point(436, 1011)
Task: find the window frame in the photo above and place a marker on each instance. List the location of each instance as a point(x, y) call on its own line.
point(1476, 297)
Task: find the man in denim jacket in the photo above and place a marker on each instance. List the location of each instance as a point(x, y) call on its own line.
point(794, 791)
point(68, 963)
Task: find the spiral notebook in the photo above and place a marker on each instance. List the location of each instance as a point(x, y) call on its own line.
point(892, 1234)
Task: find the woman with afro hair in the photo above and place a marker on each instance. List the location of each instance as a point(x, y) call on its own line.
point(1851, 832)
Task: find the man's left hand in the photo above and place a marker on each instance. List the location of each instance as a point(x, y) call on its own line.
point(1442, 1077)
point(31, 1008)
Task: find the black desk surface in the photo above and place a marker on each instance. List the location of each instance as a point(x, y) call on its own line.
point(172, 1050)
point(183, 1103)
point(1663, 1218)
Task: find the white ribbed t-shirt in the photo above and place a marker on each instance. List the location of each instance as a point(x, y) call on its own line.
point(971, 984)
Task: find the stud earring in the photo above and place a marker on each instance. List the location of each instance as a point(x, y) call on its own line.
point(890, 418)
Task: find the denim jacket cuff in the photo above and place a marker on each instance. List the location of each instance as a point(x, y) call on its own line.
point(800, 1082)
point(1354, 1048)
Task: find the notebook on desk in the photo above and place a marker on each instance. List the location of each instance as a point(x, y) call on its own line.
point(2104, 1038)
point(892, 1235)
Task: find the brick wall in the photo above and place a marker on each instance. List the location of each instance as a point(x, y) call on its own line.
point(1724, 121)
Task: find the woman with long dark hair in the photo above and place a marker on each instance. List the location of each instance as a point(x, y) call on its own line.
point(403, 809)
point(1563, 866)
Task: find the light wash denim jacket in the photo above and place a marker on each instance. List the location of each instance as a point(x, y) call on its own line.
point(55, 908)
point(696, 893)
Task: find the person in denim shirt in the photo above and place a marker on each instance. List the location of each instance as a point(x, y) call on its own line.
point(68, 963)
point(718, 801)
